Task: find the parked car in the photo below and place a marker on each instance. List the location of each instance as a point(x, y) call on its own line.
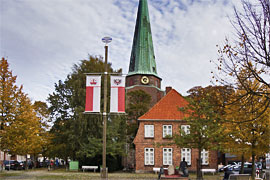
point(234, 166)
point(16, 165)
point(22, 165)
point(7, 164)
point(248, 167)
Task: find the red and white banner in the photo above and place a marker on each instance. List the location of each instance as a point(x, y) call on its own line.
point(93, 86)
point(117, 94)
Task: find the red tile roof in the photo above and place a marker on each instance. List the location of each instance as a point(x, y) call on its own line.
point(167, 108)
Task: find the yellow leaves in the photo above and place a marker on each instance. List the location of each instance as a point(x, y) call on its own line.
point(21, 136)
point(246, 128)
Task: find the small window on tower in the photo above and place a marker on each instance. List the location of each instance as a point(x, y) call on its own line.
point(154, 69)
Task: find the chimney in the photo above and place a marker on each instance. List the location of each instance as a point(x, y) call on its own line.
point(168, 89)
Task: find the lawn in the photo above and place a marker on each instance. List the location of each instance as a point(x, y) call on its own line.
point(62, 174)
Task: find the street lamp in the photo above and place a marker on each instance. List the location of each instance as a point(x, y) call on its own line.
point(104, 173)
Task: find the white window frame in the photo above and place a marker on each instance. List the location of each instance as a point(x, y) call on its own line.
point(205, 157)
point(186, 128)
point(167, 130)
point(149, 156)
point(167, 156)
point(203, 130)
point(186, 153)
point(149, 131)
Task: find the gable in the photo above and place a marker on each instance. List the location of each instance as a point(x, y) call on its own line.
point(167, 108)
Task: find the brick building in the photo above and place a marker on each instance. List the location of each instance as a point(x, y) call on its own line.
point(163, 118)
point(156, 126)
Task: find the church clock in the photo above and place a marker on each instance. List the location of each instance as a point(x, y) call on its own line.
point(145, 80)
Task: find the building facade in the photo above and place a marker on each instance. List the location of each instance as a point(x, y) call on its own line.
point(157, 126)
point(163, 120)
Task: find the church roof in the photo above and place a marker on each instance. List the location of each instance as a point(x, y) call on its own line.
point(142, 59)
point(167, 108)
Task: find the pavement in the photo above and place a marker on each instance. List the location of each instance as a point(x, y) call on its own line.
point(267, 173)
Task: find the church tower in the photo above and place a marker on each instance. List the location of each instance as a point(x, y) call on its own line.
point(142, 74)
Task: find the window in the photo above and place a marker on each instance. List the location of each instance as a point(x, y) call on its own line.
point(205, 157)
point(167, 130)
point(167, 156)
point(149, 156)
point(186, 153)
point(204, 128)
point(186, 128)
point(149, 131)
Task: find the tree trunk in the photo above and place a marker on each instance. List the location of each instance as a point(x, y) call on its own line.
point(253, 167)
point(199, 167)
point(26, 163)
point(34, 162)
point(67, 164)
point(242, 164)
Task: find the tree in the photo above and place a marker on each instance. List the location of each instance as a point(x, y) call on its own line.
point(78, 135)
point(250, 51)
point(21, 128)
point(204, 116)
point(8, 94)
point(247, 132)
point(138, 104)
point(42, 112)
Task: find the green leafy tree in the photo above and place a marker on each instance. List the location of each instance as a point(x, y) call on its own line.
point(78, 135)
point(138, 104)
point(204, 116)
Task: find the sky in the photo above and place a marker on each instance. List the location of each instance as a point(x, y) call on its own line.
point(43, 39)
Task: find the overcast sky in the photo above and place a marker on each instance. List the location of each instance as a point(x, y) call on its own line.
point(42, 39)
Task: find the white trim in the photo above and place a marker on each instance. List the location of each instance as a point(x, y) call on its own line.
point(148, 160)
point(186, 128)
point(205, 157)
point(186, 153)
point(167, 156)
point(166, 131)
point(149, 131)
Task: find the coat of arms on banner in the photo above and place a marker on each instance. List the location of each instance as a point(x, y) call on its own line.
point(93, 82)
point(117, 81)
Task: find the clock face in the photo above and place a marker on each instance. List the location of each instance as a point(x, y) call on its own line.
point(145, 80)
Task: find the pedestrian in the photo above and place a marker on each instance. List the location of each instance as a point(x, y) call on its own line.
point(184, 167)
point(52, 164)
point(56, 163)
point(227, 173)
point(161, 171)
point(49, 165)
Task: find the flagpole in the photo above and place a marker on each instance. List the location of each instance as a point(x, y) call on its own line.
point(104, 173)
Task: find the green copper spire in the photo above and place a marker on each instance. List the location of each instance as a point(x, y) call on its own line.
point(142, 60)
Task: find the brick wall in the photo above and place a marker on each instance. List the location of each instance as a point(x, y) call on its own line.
point(141, 142)
point(152, 88)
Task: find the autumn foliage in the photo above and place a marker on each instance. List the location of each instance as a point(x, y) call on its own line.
point(21, 130)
